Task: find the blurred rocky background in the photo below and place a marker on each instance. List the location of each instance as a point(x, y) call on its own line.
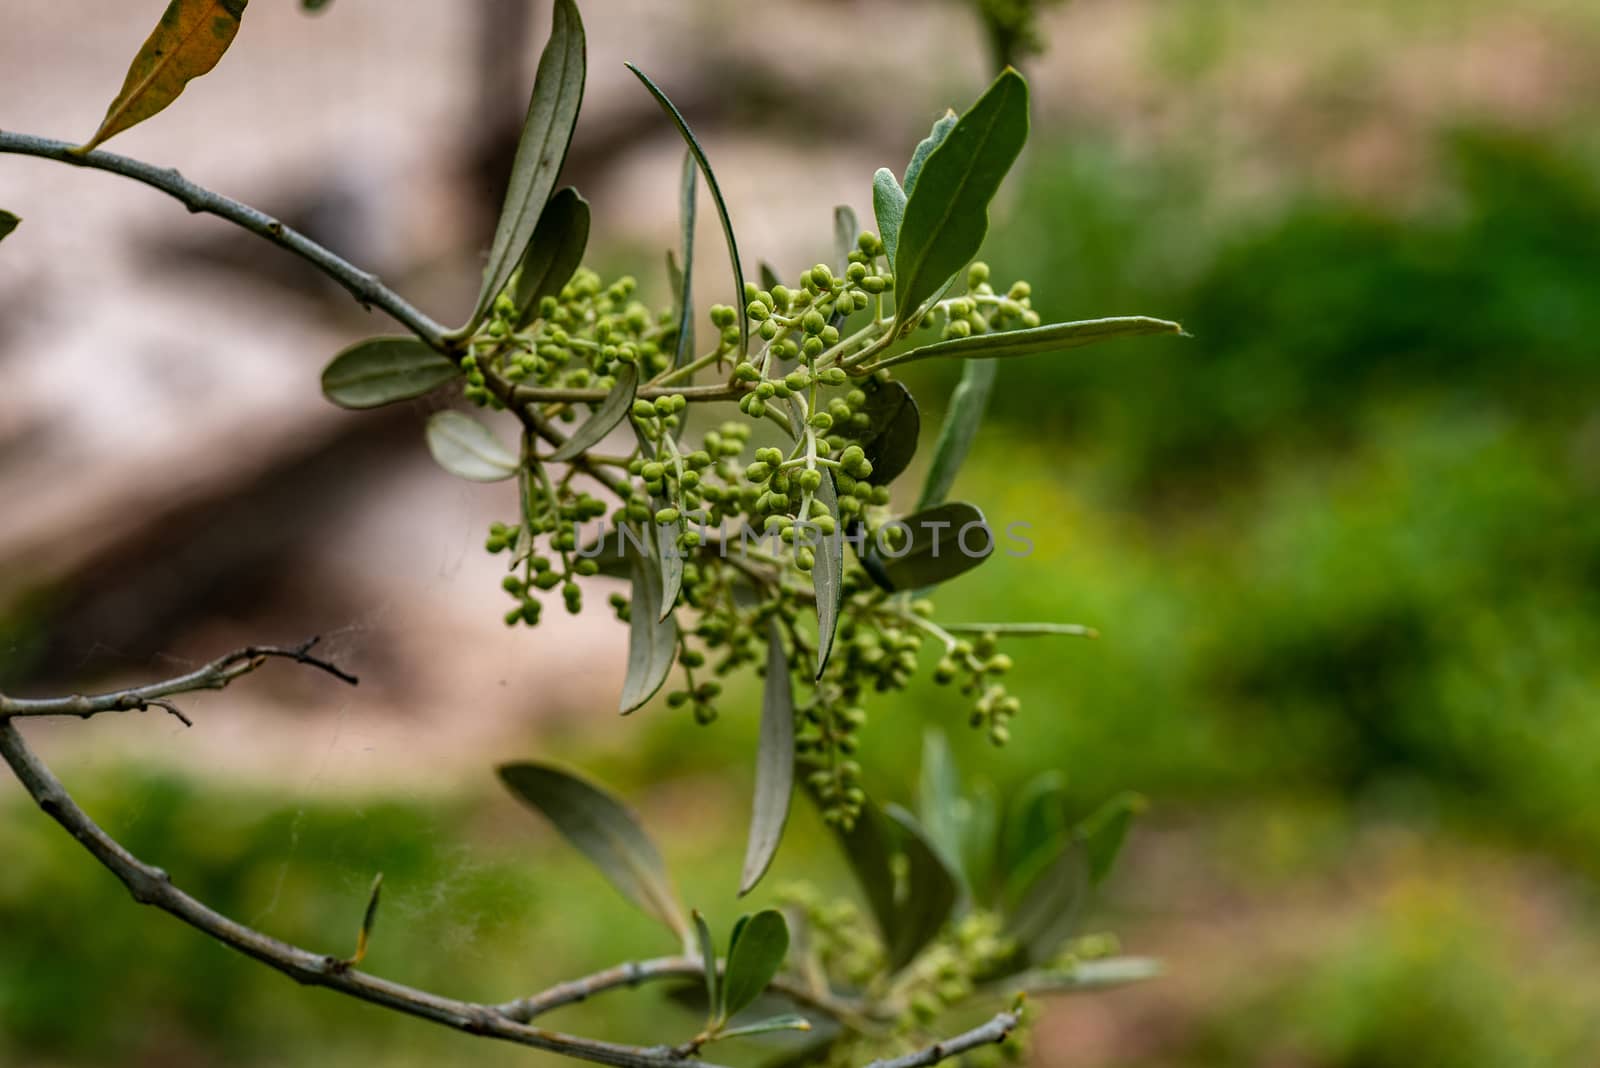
point(1344, 545)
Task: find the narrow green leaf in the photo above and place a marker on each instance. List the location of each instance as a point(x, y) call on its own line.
point(1057, 337)
point(930, 892)
point(369, 920)
point(889, 208)
point(1104, 832)
point(663, 539)
point(769, 276)
point(708, 961)
point(868, 847)
point(947, 215)
point(382, 370)
point(738, 929)
point(604, 419)
point(979, 826)
point(688, 213)
point(941, 543)
point(845, 231)
point(1091, 975)
point(774, 766)
point(468, 449)
point(1035, 829)
point(716, 198)
point(554, 252)
point(188, 41)
point(827, 573)
point(941, 130)
point(754, 957)
point(669, 560)
point(968, 402)
point(792, 1021)
point(603, 829)
point(314, 5)
point(1048, 911)
point(542, 149)
point(652, 640)
point(894, 424)
point(1024, 630)
point(8, 223)
point(939, 797)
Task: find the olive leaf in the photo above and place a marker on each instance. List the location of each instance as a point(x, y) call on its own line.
point(845, 231)
point(1093, 975)
point(930, 892)
point(652, 638)
point(968, 401)
point(1104, 832)
point(939, 798)
point(1024, 630)
point(716, 198)
point(947, 214)
point(541, 150)
point(941, 130)
point(382, 370)
point(369, 920)
point(1008, 344)
point(774, 766)
point(8, 223)
point(868, 847)
point(1035, 830)
point(554, 252)
point(893, 425)
point(1048, 910)
point(188, 41)
point(605, 417)
point(602, 828)
point(754, 956)
point(611, 550)
point(314, 5)
point(468, 449)
point(789, 1021)
point(827, 572)
point(939, 545)
point(978, 827)
point(663, 539)
point(708, 964)
point(769, 276)
point(683, 291)
point(889, 208)
point(909, 911)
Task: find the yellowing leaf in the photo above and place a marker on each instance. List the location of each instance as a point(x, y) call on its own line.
point(186, 43)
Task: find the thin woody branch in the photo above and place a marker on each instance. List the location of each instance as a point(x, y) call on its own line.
point(995, 1031)
point(152, 886)
point(213, 676)
point(363, 285)
point(637, 973)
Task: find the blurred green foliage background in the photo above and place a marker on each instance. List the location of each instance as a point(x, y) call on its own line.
point(1344, 547)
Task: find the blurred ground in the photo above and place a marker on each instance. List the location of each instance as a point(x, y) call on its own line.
point(1343, 545)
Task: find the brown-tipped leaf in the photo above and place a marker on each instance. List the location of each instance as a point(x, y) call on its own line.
point(188, 41)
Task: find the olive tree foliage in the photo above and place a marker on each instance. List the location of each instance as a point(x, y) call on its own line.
point(736, 482)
